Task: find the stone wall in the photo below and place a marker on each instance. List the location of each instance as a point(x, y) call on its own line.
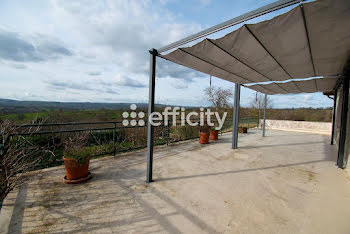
point(301, 125)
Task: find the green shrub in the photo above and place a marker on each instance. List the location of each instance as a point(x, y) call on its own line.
point(185, 132)
point(80, 155)
point(75, 147)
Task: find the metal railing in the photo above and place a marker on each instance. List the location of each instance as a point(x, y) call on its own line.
point(111, 137)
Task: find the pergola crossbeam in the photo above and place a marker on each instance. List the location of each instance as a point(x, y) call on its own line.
point(239, 19)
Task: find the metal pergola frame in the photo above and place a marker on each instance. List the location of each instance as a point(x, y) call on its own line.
point(234, 21)
point(342, 159)
point(152, 75)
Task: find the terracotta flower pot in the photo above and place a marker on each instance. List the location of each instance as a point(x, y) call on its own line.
point(214, 135)
point(242, 129)
point(75, 170)
point(204, 138)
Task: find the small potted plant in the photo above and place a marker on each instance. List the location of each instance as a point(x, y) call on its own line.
point(214, 134)
point(204, 134)
point(76, 157)
point(242, 129)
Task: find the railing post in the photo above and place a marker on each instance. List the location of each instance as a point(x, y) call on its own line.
point(264, 121)
point(152, 78)
point(236, 116)
point(114, 135)
point(25, 144)
point(165, 133)
point(167, 129)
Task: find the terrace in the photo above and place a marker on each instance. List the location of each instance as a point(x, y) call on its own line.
point(286, 182)
point(199, 189)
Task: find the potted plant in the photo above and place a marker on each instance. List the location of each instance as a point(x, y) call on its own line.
point(76, 157)
point(204, 134)
point(242, 129)
point(214, 134)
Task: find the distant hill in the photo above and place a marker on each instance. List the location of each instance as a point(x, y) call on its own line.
point(26, 111)
point(13, 106)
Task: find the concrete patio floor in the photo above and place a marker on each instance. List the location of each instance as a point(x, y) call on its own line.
point(286, 182)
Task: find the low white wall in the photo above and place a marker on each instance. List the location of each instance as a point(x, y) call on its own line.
point(287, 124)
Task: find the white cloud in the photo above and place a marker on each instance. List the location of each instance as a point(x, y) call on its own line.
point(30, 48)
point(204, 2)
point(104, 43)
point(125, 30)
point(90, 50)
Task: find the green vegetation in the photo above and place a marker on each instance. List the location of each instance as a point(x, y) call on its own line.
point(80, 155)
point(179, 133)
point(301, 114)
point(65, 116)
point(106, 139)
point(26, 111)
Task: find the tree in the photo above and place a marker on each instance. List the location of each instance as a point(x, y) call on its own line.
point(18, 156)
point(21, 116)
point(219, 97)
point(258, 103)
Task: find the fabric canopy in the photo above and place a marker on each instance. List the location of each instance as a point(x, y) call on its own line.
point(310, 40)
point(304, 86)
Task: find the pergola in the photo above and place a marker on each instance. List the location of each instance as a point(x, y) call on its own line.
point(303, 50)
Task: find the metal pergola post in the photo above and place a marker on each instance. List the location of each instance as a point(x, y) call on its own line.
point(334, 112)
point(341, 162)
point(152, 79)
point(264, 121)
point(236, 116)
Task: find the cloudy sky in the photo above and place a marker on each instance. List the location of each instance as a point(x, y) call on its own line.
point(97, 51)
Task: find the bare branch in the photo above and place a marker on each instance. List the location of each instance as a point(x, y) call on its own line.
point(219, 97)
point(18, 155)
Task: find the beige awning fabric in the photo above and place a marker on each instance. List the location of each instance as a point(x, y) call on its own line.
point(313, 39)
point(302, 86)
